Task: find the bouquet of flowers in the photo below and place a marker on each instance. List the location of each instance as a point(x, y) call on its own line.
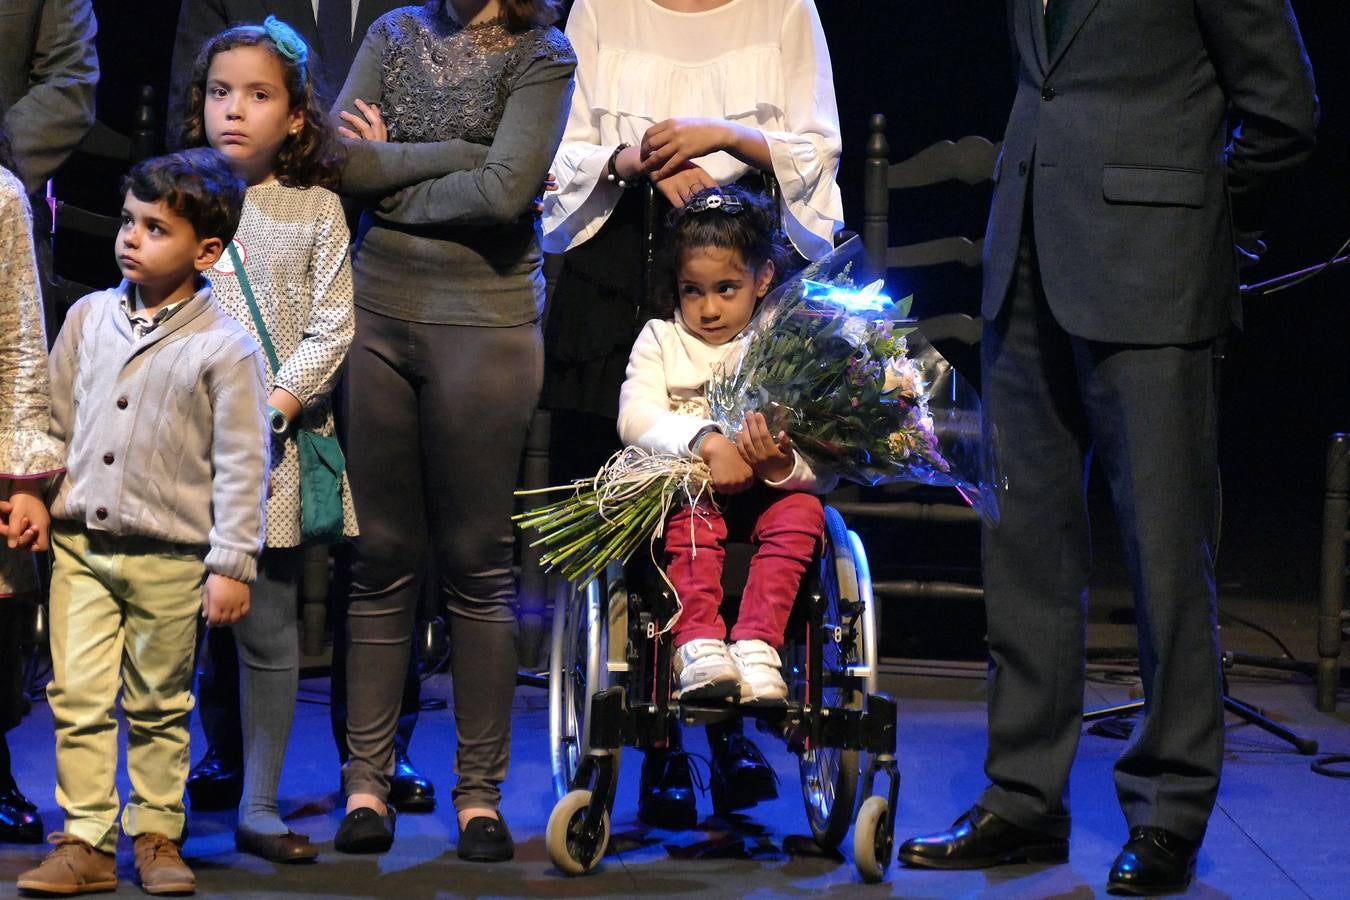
point(842, 371)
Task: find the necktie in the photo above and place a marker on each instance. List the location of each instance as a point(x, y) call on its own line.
point(335, 43)
point(1056, 17)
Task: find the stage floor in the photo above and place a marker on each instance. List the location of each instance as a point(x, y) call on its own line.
point(1279, 830)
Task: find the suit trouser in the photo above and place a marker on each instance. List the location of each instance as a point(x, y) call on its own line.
point(1148, 414)
point(123, 615)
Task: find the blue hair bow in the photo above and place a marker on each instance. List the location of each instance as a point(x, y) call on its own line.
point(289, 42)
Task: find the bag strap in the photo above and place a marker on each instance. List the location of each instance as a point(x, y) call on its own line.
point(253, 307)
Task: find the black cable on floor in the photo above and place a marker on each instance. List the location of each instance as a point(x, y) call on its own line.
point(1325, 765)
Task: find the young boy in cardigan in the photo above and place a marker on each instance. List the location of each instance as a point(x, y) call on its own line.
point(159, 398)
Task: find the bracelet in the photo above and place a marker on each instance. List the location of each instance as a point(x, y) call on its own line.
point(613, 164)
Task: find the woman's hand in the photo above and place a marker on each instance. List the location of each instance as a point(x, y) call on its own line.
point(687, 182)
point(550, 184)
point(369, 126)
point(770, 457)
point(667, 146)
point(730, 473)
point(28, 524)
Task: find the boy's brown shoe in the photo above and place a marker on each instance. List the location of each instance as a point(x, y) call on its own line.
point(74, 867)
point(160, 866)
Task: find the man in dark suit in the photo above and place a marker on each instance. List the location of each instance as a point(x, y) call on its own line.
point(333, 29)
point(48, 72)
point(1139, 150)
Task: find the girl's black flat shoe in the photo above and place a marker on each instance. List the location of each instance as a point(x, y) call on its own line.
point(364, 830)
point(486, 839)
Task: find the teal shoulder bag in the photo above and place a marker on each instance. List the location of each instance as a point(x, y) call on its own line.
point(321, 459)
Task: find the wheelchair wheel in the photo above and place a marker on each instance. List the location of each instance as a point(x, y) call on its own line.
point(872, 843)
point(563, 837)
point(576, 670)
point(830, 774)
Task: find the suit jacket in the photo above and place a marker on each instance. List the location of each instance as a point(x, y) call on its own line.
point(198, 20)
point(1145, 139)
point(48, 72)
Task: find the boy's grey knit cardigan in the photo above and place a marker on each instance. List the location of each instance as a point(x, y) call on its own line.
point(166, 435)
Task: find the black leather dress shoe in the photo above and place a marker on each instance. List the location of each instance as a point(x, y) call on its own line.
point(215, 783)
point(19, 820)
point(279, 848)
point(741, 776)
point(409, 792)
point(666, 794)
point(486, 839)
point(980, 839)
point(1154, 861)
point(363, 830)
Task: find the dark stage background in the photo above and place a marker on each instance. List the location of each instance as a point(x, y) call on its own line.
point(942, 70)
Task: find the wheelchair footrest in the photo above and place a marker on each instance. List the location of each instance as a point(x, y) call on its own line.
point(771, 715)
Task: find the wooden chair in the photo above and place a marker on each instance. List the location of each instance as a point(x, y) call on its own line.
point(938, 270)
point(107, 149)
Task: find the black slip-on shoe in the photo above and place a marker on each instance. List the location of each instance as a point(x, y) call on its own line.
point(486, 839)
point(363, 830)
point(1153, 861)
point(980, 839)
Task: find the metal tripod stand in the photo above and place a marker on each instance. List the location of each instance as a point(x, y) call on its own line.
point(1247, 712)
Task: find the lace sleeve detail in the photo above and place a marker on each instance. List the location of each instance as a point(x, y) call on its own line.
point(551, 44)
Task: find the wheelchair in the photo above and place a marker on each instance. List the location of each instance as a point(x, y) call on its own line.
point(610, 682)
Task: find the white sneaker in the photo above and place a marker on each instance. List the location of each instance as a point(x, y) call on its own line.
point(705, 671)
point(761, 678)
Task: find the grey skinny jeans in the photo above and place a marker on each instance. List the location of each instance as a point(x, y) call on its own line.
point(437, 419)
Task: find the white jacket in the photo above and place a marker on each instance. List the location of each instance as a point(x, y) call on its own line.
point(663, 404)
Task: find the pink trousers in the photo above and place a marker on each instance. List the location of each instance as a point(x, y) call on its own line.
point(786, 528)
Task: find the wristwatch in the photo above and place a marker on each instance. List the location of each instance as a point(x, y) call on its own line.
point(277, 421)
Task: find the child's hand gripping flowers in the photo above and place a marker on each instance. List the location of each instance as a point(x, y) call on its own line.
point(770, 457)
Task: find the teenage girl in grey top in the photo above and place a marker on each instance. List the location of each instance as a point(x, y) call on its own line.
point(453, 111)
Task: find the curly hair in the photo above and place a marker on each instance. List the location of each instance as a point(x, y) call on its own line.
point(752, 230)
point(197, 184)
point(522, 15)
point(311, 157)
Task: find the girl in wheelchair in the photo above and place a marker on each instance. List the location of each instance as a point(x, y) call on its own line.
point(723, 246)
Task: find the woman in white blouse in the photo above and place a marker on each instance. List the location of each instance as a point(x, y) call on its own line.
point(729, 85)
point(688, 94)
